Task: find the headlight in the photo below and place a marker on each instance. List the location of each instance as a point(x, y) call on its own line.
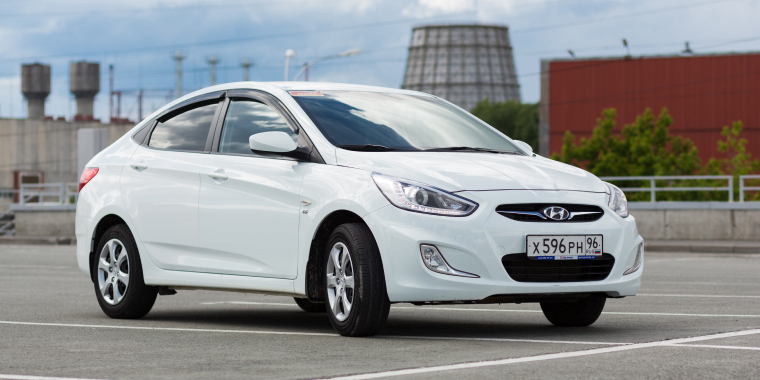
point(414, 196)
point(617, 201)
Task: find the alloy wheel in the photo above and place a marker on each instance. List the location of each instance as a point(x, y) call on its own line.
point(340, 281)
point(113, 272)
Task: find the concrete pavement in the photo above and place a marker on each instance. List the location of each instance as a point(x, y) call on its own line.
point(51, 325)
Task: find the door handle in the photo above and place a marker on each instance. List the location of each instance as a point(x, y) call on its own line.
point(139, 165)
point(218, 175)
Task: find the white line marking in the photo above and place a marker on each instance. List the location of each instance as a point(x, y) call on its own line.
point(24, 377)
point(248, 303)
point(695, 295)
point(682, 259)
point(712, 346)
point(34, 266)
point(702, 283)
point(301, 333)
point(508, 310)
point(168, 329)
point(500, 340)
point(562, 355)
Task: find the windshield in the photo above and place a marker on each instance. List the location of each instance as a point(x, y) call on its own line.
point(385, 121)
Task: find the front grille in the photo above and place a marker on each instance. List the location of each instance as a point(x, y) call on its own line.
point(522, 269)
point(533, 212)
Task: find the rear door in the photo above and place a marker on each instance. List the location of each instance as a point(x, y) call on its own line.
point(250, 203)
point(162, 182)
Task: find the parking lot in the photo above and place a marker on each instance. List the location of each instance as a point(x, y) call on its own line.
point(697, 316)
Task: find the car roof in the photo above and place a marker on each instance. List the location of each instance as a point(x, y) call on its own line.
point(309, 86)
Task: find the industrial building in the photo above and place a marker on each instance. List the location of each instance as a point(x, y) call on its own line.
point(462, 63)
point(703, 93)
point(47, 155)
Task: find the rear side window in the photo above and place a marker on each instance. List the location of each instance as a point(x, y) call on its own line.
point(246, 118)
point(185, 131)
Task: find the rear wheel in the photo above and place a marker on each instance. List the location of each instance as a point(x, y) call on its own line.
point(582, 312)
point(355, 294)
point(119, 284)
point(310, 307)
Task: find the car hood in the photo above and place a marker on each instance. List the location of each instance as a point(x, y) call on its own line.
point(466, 171)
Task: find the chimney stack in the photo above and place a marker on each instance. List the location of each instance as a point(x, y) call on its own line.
point(84, 83)
point(35, 85)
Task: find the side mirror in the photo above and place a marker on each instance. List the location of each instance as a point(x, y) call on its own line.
point(524, 146)
point(272, 142)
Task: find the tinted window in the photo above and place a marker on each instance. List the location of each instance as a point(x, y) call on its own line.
point(186, 131)
point(246, 118)
point(399, 121)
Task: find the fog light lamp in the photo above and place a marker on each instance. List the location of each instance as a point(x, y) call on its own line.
point(434, 261)
point(637, 262)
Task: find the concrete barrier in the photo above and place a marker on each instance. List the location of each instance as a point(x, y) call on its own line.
point(34, 223)
point(700, 221)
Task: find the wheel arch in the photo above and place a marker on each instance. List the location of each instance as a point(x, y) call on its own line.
point(314, 280)
point(103, 225)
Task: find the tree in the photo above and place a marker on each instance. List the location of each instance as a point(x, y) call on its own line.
point(738, 161)
point(642, 148)
point(516, 120)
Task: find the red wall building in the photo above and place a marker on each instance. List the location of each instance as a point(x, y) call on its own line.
point(702, 92)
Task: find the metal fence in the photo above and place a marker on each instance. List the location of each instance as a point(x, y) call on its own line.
point(48, 194)
point(743, 187)
point(8, 193)
point(652, 189)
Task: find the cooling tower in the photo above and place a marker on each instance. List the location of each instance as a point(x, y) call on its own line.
point(462, 63)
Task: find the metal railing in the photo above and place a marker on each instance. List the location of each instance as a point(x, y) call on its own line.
point(743, 187)
point(48, 194)
point(653, 189)
point(8, 193)
point(7, 224)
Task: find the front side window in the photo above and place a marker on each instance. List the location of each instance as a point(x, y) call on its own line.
point(354, 119)
point(186, 131)
point(246, 118)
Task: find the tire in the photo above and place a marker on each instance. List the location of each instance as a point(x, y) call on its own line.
point(310, 307)
point(578, 313)
point(117, 253)
point(362, 269)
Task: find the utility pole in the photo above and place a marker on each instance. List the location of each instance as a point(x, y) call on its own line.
point(110, 92)
point(288, 55)
point(178, 56)
point(139, 105)
point(212, 60)
point(246, 65)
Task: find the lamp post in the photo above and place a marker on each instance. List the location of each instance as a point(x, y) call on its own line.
point(288, 55)
point(305, 68)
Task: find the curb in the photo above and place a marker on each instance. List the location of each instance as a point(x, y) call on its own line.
point(38, 240)
point(703, 247)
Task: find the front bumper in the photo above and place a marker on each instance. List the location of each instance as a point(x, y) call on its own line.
point(477, 243)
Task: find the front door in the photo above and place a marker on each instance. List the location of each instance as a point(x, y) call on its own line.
point(249, 203)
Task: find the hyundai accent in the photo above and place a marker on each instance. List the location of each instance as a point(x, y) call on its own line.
point(349, 199)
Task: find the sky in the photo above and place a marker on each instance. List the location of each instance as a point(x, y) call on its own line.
point(138, 37)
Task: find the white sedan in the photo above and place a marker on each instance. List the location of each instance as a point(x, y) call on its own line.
point(348, 198)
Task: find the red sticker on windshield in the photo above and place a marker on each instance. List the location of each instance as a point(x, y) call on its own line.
point(306, 93)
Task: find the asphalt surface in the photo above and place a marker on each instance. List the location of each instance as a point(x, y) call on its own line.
point(51, 325)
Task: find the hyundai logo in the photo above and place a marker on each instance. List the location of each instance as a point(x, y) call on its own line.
point(556, 213)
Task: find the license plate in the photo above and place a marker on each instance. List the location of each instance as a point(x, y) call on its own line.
point(564, 247)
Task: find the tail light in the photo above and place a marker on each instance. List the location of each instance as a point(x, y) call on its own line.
point(87, 175)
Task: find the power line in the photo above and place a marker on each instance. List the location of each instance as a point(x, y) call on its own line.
point(361, 26)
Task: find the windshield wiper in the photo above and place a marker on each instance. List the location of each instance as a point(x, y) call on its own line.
point(470, 149)
point(368, 148)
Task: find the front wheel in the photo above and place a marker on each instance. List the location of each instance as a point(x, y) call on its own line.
point(119, 284)
point(582, 312)
point(355, 294)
